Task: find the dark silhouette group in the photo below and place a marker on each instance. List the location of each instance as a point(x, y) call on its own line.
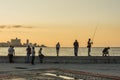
point(31, 51)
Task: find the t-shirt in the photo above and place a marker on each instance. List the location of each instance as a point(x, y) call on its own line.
point(11, 50)
point(33, 52)
point(28, 50)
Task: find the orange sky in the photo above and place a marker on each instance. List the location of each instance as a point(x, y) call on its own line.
point(49, 21)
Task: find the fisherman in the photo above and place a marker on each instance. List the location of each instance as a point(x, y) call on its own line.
point(89, 43)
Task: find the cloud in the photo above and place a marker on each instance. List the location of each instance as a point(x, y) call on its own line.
point(17, 26)
point(20, 26)
point(2, 26)
point(14, 26)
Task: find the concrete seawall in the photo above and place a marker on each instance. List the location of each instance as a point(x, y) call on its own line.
point(66, 59)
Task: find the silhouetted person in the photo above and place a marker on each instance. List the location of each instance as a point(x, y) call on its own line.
point(11, 53)
point(33, 55)
point(28, 49)
point(76, 46)
point(89, 43)
point(106, 51)
point(41, 56)
point(57, 48)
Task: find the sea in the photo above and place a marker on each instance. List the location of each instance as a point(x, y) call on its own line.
point(64, 51)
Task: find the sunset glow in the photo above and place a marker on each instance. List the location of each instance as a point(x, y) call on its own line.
point(49, 21)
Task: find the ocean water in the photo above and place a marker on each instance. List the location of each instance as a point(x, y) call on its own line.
point(66, 51)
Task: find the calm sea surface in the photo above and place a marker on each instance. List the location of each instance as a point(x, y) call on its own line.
point(50, 51)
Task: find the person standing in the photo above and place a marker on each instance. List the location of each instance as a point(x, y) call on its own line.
point(41, 56)
point(89, 43)
point(57, 48)
point(33, 55)
point(76, 46)
point(28, 49)
point(11, 53)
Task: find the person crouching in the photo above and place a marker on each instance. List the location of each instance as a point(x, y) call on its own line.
point(106, 51)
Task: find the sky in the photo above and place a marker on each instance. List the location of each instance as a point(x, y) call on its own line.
point(50, 21)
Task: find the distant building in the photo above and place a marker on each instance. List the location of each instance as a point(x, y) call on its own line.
point(16, 42)
point(3, 44)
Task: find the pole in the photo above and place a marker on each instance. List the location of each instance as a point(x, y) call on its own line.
point(94, 33)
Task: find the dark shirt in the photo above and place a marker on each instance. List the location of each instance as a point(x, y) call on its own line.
point(105, 50)
point(28, 50)
point(76, 45)
point(89, 44)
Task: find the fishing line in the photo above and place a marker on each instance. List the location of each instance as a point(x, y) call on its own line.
point(94, 33)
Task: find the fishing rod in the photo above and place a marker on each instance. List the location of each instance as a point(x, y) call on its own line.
point(94, 33)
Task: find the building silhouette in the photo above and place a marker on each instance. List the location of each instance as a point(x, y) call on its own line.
point(16, 42)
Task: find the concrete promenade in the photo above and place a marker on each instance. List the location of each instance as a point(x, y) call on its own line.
point(106, 69)
point(96, 65)
point(109, 69)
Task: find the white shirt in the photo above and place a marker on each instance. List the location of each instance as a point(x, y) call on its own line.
point(11, 50)
point(33, 52)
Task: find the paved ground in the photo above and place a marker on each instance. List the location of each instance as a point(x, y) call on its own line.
point(109, 69)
